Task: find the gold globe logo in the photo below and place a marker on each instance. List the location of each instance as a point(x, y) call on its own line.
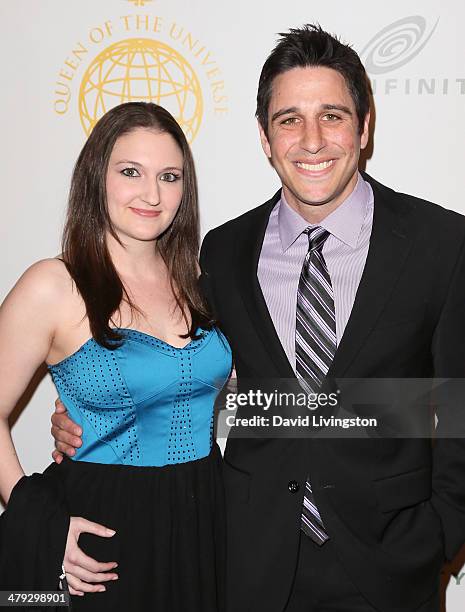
point(141, 69)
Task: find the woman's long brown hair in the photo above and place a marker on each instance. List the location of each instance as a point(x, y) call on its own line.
point(84, 246)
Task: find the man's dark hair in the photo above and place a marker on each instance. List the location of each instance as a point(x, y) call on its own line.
point(310, 45)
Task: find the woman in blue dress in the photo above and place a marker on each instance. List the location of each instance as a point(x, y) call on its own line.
point(138, 363)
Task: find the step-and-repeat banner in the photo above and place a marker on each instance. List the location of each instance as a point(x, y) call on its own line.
point(66, 63)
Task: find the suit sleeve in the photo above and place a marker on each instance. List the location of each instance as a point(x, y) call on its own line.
point(205, 280)
point(449, 449)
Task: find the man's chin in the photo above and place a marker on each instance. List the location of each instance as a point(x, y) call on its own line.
point(314, 199)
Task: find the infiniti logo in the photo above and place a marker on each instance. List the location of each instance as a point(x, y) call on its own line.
point(396, 44)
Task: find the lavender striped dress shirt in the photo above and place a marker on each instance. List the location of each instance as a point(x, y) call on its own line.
point(345, 251)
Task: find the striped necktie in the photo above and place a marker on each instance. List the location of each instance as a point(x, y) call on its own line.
point(315, 344)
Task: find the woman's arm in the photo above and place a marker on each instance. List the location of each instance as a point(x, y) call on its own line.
point(28, 319)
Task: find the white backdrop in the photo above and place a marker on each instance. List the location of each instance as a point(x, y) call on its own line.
point(50, 48)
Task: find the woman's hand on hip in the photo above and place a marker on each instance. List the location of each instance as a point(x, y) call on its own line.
point(84, 574)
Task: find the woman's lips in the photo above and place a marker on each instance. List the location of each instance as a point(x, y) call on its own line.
point(144, 212)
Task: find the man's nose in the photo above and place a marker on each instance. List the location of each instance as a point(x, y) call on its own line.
point(312, 137)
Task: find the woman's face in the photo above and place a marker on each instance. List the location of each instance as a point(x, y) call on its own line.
point(144, 184)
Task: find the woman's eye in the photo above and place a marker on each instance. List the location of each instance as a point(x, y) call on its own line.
point(170, 177)
point(130, 172)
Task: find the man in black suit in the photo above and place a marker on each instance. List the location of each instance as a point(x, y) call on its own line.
point(337, 277)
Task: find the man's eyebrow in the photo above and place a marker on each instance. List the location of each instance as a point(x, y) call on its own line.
point(294, 109)
point(339, 107)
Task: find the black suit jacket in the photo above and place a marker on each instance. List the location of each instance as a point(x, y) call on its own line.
point(394, 508)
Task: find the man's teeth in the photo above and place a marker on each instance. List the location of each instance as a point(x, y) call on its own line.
point(321, 166)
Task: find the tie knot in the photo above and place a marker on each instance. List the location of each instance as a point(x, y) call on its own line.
point(316, 237)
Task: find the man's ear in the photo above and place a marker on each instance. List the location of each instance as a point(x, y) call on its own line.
point(264, 140)
point(365, 135)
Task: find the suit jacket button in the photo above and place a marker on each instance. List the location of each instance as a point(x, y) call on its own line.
point(293, 486)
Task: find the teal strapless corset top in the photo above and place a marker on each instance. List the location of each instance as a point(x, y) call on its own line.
point(146, 402)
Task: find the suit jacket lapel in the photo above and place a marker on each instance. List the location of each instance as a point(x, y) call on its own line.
point(248, 251)
point(389, 246)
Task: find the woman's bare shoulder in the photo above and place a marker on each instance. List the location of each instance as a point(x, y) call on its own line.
point(37, 304)
point(44, 280)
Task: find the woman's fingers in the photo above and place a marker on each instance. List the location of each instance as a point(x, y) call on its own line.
point(84, 574)
point(78, 559)
point(79, 587)
point(82, 525)
point(89, 576)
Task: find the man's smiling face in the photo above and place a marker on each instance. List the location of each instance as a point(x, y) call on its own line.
point(313, 138)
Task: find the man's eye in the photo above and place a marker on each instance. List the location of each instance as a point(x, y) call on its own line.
point(170, 177)
point(130, 172)
point(289, 121)
point(331, 117)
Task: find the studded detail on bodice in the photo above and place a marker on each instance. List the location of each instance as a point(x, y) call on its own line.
point(146, 402)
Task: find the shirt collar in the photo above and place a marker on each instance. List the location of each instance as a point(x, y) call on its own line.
point(345, 222)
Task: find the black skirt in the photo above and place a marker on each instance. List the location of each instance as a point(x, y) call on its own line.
point(170, 532)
